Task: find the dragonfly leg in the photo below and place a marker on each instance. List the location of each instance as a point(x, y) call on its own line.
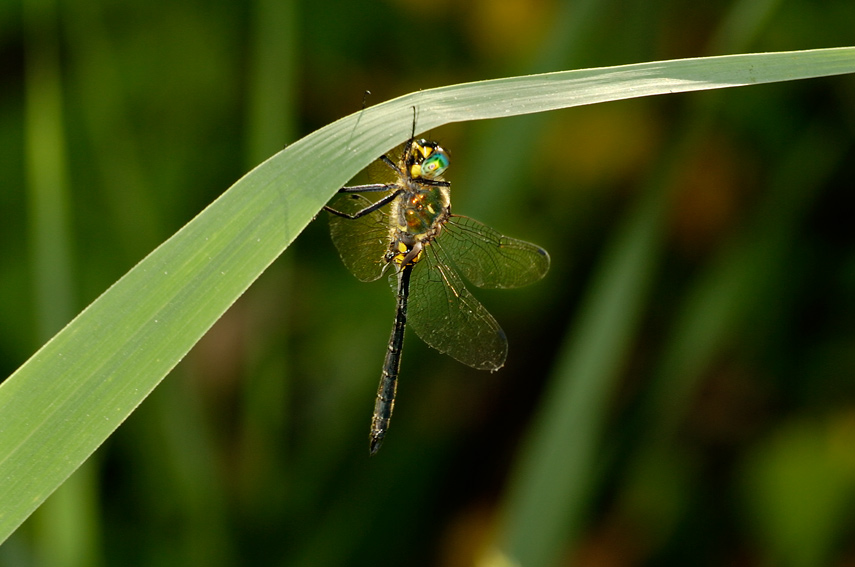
point(371, 188)
point(367, 210)
point(435, 182)
point(391, 164)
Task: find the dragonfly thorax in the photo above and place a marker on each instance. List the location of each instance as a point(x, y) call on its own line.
point(424, 205)
point(421, 210)
point(418, 218)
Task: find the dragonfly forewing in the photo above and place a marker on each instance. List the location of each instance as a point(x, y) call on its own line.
point(489, 259)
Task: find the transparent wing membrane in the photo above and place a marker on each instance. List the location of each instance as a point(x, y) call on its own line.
point(362, 243)
point(489, 259)
point(449, 318)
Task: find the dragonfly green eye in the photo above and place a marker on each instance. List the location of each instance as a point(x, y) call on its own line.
point(435, 165)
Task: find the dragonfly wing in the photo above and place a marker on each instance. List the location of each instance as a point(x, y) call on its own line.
point(489, 259)
point(448, 318)
point(362, 243)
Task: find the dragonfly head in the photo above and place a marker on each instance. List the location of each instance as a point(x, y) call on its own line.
point(426, 160)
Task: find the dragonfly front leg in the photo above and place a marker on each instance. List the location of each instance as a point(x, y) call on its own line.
point(371, 188)
point(370, 208)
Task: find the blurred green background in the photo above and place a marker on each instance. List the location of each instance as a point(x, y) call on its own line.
point(680, 389)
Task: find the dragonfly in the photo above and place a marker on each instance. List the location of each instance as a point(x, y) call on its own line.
point(410, 232)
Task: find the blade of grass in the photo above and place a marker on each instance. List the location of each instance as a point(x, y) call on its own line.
point(731, 294)
point(736, 281)
point(557, 466)
point(554, 479)
point(270, 117)
point(64, 401)
point(47, 174)
point(491, 181)
point(66, 530)
point(134, 218)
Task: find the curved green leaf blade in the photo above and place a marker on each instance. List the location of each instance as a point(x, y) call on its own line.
point(64, 401)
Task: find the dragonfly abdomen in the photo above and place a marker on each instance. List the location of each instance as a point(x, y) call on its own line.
point(386, 391)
